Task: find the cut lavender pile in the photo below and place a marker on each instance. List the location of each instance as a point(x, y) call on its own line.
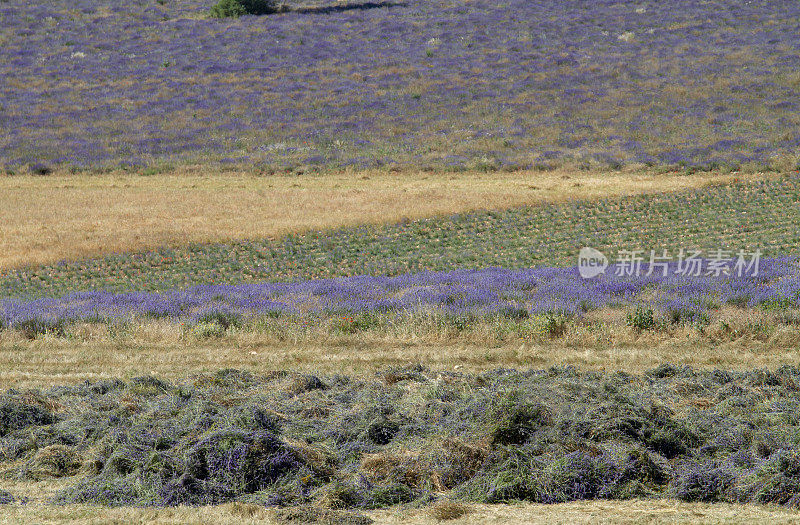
point(410, 434)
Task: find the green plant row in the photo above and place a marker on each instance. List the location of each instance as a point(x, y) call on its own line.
point(762, 215)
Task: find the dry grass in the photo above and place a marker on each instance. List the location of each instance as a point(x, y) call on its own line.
point(630, 512)
point(159, 348)
point(582, 512)
point(228, 514)
point(47, 219)
point(449, 510)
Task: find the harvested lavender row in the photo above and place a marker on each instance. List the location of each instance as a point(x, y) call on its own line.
point(406, 435)
point(463, 293)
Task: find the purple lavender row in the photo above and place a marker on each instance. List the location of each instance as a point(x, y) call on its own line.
point(98, 82)
point(476, 293)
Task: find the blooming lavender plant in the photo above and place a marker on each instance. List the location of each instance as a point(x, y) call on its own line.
point(486, 85)
point(487, 293)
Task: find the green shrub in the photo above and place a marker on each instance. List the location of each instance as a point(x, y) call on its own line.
point(461, 322)
point(237, 8)
point(642, 319)
point(689, 316)
point(223, 318)
point(515, 313)
point(777, 305)
point(360, 322)
point(36, 326)
point(554, 325)
point(205, 330)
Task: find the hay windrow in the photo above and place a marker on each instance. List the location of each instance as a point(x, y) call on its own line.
point(412, 436)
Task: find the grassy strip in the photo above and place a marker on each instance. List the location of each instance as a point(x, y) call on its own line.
point(734, 340)
point(763, 215)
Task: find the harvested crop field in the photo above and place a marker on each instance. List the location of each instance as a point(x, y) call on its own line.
point(557, 387)
point(89, 352)
point(410, 435)
point(634, 512)
point(750, 215)
point(68, 217)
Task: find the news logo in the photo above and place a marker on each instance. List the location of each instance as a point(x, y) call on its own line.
point(591, 263)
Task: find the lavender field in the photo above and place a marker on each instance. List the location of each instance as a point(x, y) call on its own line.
point(411, 83)
point(294, 376)
point(461, 295)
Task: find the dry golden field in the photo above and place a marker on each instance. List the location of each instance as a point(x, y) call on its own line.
point(47, 219)
point(650, 512)
point(161, 348)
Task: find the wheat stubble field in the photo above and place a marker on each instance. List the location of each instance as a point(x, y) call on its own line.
point(46, 220)
point(317, 262)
